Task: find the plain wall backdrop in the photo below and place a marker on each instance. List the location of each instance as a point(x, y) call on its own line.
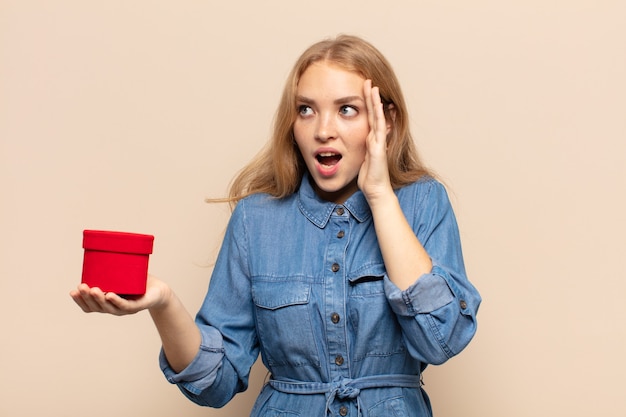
point(125, 115)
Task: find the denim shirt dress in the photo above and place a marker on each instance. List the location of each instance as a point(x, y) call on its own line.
point(302, 281)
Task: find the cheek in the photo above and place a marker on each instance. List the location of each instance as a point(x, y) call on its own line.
point(359, 143)
point(299, 134)
point(361, 151)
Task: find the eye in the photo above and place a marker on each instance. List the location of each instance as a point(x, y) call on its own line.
point(304, 110)
point(348, 111)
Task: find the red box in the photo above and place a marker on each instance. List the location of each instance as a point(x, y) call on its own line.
point(116, 261)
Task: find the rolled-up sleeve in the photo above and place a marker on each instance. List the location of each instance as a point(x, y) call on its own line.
point(202, 371)
point(429, 293)
point(438, 312)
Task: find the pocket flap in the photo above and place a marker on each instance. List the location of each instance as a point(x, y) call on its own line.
point(368, 272)
point(276, 294)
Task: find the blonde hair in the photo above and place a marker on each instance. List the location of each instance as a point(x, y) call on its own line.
point(278, 169)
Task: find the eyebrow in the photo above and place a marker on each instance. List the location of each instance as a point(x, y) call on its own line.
point(341, 100)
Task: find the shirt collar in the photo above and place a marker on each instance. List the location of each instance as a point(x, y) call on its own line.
point(318, 211)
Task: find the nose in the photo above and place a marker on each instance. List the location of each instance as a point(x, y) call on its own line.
point(325, 128)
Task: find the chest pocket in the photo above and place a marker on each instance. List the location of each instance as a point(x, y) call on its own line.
point(376, 328)
point(284, 326)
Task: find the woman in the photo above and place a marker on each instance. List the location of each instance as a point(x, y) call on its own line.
point(341, 263)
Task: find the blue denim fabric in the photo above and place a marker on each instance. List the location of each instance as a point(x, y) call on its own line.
point(302, 281)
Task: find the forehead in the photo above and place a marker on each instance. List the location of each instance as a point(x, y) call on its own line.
point(327, 79)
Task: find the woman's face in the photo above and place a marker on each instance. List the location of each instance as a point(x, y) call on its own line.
point(331, 128)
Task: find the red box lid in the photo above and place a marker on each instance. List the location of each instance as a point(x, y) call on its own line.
point(122, 242)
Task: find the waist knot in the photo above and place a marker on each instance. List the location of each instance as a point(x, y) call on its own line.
point(345, 388)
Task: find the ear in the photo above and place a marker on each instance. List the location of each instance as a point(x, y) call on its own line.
point(391, 111)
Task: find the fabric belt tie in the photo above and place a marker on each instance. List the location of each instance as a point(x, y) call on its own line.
point(345, 388)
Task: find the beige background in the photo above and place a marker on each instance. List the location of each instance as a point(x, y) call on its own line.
point(124, 115)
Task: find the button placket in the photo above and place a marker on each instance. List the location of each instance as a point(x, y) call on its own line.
point(335, 292)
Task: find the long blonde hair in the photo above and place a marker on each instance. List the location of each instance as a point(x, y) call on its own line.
point(278, 169)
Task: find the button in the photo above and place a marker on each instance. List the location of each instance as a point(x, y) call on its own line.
point(335, 267)
point(340, 211)
point(341, 234)
point(343, 411)
point(463, 305)
point(335, 318)
point(339, 360)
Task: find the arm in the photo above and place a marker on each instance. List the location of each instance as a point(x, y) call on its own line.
point(209, 358)
point(179, 334)
point(438, 312)
point(427, 287)
point(404, 256)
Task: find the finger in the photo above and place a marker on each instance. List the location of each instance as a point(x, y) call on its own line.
point(380, 123)
point(78, 299)
point(367, 93)
point(96, 300)
point(104, 300)
point(119, 305)
point(88, 301)
point(375, 113)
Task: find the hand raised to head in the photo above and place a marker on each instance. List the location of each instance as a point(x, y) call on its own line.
point(374, 174)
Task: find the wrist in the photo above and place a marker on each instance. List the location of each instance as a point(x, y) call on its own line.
point(381, 198)
point(165, 300)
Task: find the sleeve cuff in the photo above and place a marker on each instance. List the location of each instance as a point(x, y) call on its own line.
point(429, 293)
point(203, 369)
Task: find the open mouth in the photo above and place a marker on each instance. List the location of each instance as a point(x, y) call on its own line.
point(328, 159)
